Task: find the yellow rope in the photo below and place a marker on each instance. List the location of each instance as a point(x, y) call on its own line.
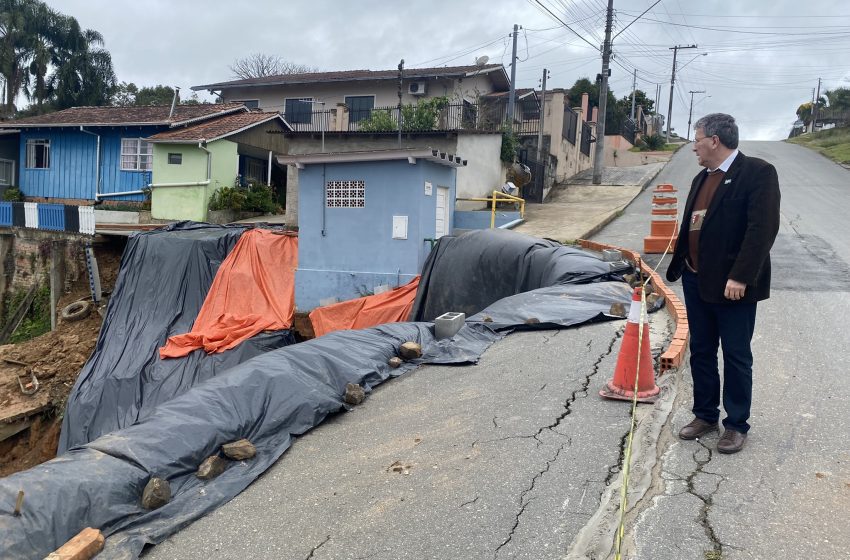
point(624, 489)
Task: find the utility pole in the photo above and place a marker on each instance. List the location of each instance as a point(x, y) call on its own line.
point(542, 116)
point(634, 91)
point(400, 76)
point(691, 113)
point(815, 108)
point(512, 94)
point(599, 156)
point(673, 83)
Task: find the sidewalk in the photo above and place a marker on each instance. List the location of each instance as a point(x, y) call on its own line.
point(579, 208)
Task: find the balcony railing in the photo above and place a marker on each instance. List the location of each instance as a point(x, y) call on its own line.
point(480, 117)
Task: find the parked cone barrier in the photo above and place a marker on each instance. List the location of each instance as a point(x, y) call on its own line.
point(665, 223)
point(622, 386)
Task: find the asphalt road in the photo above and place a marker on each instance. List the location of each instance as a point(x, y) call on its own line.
point(786, 495)
point(517, 456)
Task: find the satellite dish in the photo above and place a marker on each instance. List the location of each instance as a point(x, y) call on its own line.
point(482, 60)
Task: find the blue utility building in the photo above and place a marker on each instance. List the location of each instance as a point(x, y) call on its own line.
point(368, 218)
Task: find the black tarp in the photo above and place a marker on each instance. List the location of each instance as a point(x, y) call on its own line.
point(267, 399)
point(164, 277)
point(468, 273)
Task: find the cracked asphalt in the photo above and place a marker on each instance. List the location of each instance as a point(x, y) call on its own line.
point(517, 456)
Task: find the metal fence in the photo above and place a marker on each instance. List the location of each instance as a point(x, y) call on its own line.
point(486, 116)
point(570, 125)
point(585, 139)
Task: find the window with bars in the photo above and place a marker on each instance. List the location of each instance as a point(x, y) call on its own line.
point(346, 194)
point(38, 154)
point(136, 155)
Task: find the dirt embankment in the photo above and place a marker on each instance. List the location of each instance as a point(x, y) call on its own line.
point(56, 359)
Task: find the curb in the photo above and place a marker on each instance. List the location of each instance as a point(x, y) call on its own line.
point(607, 220)
point(673, 356)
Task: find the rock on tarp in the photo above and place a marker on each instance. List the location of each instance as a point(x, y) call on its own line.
point(164, 278)
point(267, 400)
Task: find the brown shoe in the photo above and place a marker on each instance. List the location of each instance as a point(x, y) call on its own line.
point(698, 427)
point(731, 441)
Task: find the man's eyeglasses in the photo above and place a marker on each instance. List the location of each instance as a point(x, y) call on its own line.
point(697, 140)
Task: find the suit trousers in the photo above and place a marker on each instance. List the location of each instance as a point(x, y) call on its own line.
point(729, 325)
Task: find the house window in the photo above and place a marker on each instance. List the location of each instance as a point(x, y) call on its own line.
point(38, 154)
point(359, 107)
point(7, 172)
point(175, 159)
point(136, 155)
point(346, 194)
point(298, 111)
point(249, 103)
point(255, 170)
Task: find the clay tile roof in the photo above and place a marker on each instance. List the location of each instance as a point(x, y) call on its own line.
point(355, 75)
point(106, 116)
point(214, 129)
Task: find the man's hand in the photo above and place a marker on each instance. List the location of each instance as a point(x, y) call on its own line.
point(734, 290)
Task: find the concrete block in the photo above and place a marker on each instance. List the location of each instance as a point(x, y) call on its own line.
point(447, 324)
point(611, 255)
point(382, 288)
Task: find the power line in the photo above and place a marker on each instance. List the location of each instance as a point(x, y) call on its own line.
point(565, 25)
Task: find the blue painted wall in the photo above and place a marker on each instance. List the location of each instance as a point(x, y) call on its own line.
point(73, 159)
point(357, 252)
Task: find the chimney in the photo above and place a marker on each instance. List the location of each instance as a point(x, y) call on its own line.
point(585, 101)
point(595, 115)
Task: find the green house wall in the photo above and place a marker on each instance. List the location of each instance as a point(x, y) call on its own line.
point(190, 203)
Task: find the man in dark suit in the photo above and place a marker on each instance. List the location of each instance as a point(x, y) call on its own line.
point(723, 257)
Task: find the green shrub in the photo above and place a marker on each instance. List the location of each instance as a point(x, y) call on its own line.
point(228, 198)
point(37, 320)
point(510, 144)
point(378, 121)
point(651, 143)
point(13, 194)
point(260, 198)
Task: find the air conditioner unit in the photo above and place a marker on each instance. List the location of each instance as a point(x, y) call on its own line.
point(416, 88)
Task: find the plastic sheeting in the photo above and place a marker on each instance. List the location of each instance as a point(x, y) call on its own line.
point(164, 277)
point(268, 400)
point(468, 273)
point(253, 291)
point(389, 307)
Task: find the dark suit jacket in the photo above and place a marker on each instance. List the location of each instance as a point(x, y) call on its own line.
point(737, 233)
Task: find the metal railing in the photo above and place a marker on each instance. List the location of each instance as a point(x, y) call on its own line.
point(494, 199)
point(585, 139)
point(570, 125)
point(485, 116)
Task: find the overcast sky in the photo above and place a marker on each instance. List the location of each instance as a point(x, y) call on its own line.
point(763, 56)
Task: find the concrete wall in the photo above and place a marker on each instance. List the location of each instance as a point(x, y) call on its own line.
point(272, 98)
point(480, 177)
point(617, 153)
point(569, 158)
point(190, 202)
point(356, 252)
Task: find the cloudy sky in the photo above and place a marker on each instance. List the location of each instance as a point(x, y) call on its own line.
point(763, 56)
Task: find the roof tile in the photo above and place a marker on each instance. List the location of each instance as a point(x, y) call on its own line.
point(214, 128)
point(147, 115)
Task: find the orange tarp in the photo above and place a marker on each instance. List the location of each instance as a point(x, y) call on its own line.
point(389, 307)
point(253, 291)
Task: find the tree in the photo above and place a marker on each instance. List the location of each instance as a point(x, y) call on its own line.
point(839, 98)
point(156, 95)
point(125, 94)
point(614, 118)
point(259, 65)
point(48, 57)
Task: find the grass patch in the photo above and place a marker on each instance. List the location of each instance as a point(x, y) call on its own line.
point(37, 321)
point(833, 143)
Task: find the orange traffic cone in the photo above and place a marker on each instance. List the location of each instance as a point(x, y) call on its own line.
point(623, 385)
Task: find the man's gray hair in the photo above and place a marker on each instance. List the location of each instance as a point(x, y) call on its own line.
point(721, 125)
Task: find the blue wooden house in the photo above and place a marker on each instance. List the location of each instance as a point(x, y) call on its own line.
point(86, 154)
point(368, 219)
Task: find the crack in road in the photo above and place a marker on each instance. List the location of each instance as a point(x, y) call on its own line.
point(707, 500)
point(470, 502)
point(317, 547)
point(523, 502)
